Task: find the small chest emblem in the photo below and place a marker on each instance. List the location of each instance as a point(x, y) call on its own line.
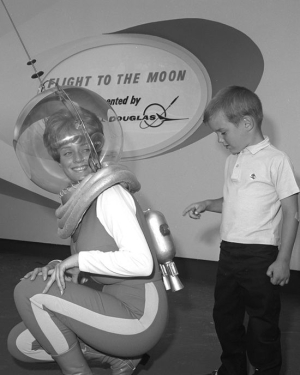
point(253, 176)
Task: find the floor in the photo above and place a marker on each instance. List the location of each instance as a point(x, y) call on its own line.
point(189, 345)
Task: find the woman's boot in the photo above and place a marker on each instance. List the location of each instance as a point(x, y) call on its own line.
point(73, 362)
point(119, 366)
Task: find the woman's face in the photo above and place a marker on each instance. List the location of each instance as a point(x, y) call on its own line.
point(74, 160)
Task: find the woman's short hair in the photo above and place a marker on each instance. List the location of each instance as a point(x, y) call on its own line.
point(62, 127)
point(235, 102)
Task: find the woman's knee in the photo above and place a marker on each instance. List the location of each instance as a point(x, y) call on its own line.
point(12, 340)
point(24, 291)
point(24, 347)
point(21, 293)
point(28, 288)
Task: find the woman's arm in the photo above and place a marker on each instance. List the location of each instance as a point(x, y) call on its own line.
point(117, 212)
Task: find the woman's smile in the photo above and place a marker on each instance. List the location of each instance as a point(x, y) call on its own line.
point(74, 160)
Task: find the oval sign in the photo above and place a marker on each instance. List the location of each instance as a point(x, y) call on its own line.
point(157, 88)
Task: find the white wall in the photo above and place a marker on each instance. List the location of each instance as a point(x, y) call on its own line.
point(172, 181)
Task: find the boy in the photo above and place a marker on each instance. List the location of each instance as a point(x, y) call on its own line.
point(259, 198)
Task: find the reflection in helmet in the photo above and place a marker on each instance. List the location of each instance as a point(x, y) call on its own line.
point(60, 116)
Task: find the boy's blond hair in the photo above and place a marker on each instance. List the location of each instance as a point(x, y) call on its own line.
point(235, 102)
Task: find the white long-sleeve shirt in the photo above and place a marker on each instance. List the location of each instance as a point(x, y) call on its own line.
point(116, 211)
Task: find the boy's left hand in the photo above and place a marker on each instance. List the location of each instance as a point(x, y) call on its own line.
point(279, 273)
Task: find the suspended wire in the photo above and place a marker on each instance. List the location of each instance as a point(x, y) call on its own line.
point(31, 61)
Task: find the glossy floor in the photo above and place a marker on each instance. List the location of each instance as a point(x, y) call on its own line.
point(189, 345)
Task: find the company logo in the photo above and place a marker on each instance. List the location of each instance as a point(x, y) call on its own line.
point(154, 116)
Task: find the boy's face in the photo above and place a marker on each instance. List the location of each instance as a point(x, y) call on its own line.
point(233, 137)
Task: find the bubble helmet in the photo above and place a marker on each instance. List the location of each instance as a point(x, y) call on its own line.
point(28, 142)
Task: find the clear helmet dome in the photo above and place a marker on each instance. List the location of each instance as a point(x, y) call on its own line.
point(31, 141)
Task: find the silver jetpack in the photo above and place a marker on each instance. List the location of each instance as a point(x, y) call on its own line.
point(164, 247)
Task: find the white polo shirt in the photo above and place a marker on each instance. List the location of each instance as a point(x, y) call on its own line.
point(256, 180)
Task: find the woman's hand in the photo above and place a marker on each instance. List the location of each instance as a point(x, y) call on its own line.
point(42, 271)
point(59, 273)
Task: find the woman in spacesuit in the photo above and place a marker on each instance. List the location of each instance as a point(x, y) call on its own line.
point(106, 303)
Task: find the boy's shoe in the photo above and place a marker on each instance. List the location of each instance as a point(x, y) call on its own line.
point(215, 372)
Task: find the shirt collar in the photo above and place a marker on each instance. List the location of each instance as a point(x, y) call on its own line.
point(259, 146)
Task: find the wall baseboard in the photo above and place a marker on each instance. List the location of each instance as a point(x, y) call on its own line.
point(194, 270)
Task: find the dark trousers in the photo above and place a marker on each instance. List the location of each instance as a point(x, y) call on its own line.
point(243, 286)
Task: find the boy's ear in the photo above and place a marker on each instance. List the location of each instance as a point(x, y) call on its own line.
point(249, 122)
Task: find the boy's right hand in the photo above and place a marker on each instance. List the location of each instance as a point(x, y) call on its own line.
point(195, 209)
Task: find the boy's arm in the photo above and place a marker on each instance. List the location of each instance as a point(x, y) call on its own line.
point(213, 205)
point(279, 271)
